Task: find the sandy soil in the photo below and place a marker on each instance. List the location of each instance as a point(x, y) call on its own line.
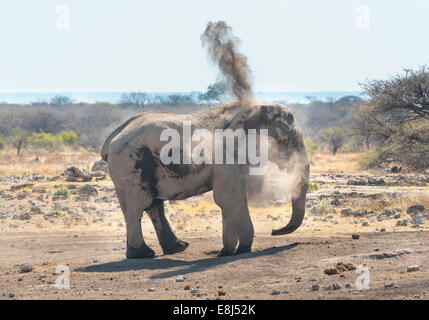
point(88, 236)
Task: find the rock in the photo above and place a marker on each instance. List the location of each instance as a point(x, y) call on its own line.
point(346, 212)
point(73, 174)
point(413, 268)
point(336, 286)
point(36, 210)
point(88, 190)
point(336, 202)
point(21, 186)
point(314, 210)
point(395, 169)
point(23, 216)
point(415, 209)
point(187, 287)
point(383, 230)
point(25, 267)
point(348, 285)
point(356, 182)
point(221, 293)
point(99, 165)
point(365, 224)
point(98, 175)
point(315, 287)
point(389, 285)
point(376, 182)
point(152, 289)
point(331, 271)
point(355, 236)
point(402, 222)
point(275, 292)
point(180, 279)
point(37, 177)
point(397, 216)
point(417, 219)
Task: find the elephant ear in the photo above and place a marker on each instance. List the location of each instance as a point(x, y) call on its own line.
point(245, 118)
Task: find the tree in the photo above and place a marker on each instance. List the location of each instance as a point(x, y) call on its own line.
point(134, 99)
point(19, 138)
point(61, 100)
point(396, 118)
point(214, 92)
point(334, 138)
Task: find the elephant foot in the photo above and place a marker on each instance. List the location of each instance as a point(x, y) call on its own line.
point(243, 249)
point(139, 253)
point(224, 253)
point(175, 246)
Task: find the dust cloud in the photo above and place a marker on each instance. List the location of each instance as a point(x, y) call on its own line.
point(222, 47)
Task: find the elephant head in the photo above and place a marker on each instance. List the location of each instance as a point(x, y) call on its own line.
point(288, 151)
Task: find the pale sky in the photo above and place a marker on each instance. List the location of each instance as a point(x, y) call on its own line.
point(147, 45)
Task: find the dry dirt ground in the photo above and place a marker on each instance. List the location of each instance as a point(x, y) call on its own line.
point(85, 232)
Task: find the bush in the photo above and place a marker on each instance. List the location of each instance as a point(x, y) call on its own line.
point(1, 143)
point(62, 191)
point(313, 186)
point(310, 147)
point(69, 138)
point(324, 206)
point(43, 140)
point(375, 158)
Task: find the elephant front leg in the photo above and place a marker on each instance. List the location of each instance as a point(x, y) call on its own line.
point(230, 193)
point(170, 244)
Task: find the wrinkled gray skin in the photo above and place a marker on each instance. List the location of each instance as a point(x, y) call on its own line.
point(143, 182)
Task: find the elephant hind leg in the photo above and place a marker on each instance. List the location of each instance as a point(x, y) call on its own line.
point(133, 203)
point(170, 244)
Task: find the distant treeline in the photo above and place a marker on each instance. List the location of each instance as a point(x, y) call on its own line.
point(392, 125)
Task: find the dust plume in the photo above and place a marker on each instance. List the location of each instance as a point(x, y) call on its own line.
point(222, 47)
point(278, 183)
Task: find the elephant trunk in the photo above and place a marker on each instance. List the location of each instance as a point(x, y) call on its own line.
point(298, 208)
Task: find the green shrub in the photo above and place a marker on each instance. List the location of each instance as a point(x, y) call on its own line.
point(56, 212)
point(62, 191)
point(69, 138)
point(374, 159)
point(43, 140)
point(324, 206)
point(1, 143)
point(313, 186)
point(310, 147)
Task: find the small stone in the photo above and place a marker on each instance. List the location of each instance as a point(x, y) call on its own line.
point(275, 292)
point(152, 289)
point(336, 286)
point(402, 222)
point(365, 224)
point(315, 287)
point(26, 267)
point(180, 279)
point(221, 292)
point(389, 285)
point(383, 230)
point(348, 285)
point(331, 271)
point(187, 287)
point(355, 236)
point(11, 295)
point(413, 268)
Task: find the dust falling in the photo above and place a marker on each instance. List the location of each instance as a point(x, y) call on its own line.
point(222, 47)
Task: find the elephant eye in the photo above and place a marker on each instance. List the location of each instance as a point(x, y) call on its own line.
point(289, 118)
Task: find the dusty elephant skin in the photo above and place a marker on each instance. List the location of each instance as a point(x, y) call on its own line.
point(143, 182)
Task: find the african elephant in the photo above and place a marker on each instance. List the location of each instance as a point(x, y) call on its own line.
point(143, 182)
